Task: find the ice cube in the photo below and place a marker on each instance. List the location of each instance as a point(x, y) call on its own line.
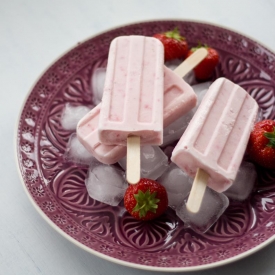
point(177, 184)
point(190, 78)
point(98, 79)
point(72, 114)
point(200, 90)
point(212, 207)
point(153, 162)
point(173, 64)
point(75, 152)
point(168, 150)
point(174, 200)
point(175, 130)
point(106, 183)
point(244, 182)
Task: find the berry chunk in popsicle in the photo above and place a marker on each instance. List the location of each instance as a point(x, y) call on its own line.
point(213, 145)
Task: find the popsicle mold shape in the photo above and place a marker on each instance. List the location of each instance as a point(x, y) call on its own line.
point(216, 138)
point(132, 103)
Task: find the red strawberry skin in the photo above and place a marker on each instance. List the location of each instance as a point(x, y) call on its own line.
point(144, 185)
point(260, 148)
point(206, 68)
point(175, 45)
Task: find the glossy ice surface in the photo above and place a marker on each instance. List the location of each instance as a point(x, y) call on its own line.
point(177, 184)
point(153, 162)
point(245, 181)
point(213, 206)
point(101, 188)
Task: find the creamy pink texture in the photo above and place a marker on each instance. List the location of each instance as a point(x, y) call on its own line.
point(179, 98)
point(216, 138)
point(87, 133)
point(132, 102)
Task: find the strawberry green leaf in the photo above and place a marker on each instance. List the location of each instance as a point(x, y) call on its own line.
point(175, 34)
point(271, 137)
point(145, 202)
point(200, 45)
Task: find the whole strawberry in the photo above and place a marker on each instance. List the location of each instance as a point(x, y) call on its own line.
point(261, 145)
point(206, 67)
point(175, 45)
point(146, 200)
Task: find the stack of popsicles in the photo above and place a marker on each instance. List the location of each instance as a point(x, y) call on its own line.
point(141, 96)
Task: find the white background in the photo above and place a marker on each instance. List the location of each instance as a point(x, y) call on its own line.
point(33, 33)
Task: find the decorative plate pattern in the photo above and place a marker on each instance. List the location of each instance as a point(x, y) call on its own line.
point(58, 189)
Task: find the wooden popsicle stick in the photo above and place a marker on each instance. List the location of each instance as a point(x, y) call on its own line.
point(200, 182)
point(133, 159)
point(191, 62)
point(197, 192)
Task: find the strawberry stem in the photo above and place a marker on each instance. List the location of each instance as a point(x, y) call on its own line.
point(175, 34)
point(145, 202)
point(200, 45)
point(271, 137)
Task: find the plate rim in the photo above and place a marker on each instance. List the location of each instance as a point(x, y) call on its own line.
point(71, 239)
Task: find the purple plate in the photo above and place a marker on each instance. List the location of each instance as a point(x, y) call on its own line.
point(57, 188)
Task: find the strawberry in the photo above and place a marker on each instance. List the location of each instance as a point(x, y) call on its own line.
point(146, 200)
point(175, 45)
point(261, 145)
point(206, 68)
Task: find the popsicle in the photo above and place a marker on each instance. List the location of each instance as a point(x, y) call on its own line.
point(213, 145)
point(132, 103)
point(179, 98)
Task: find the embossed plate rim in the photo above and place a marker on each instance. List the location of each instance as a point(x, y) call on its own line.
point(101, 255)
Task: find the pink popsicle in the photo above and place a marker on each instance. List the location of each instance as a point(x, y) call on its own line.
point(216, 138)
point(132, 102)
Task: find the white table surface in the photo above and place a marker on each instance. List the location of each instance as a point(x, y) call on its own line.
point(33, 33)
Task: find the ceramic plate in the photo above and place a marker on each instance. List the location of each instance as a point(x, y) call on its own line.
point(57, 188)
